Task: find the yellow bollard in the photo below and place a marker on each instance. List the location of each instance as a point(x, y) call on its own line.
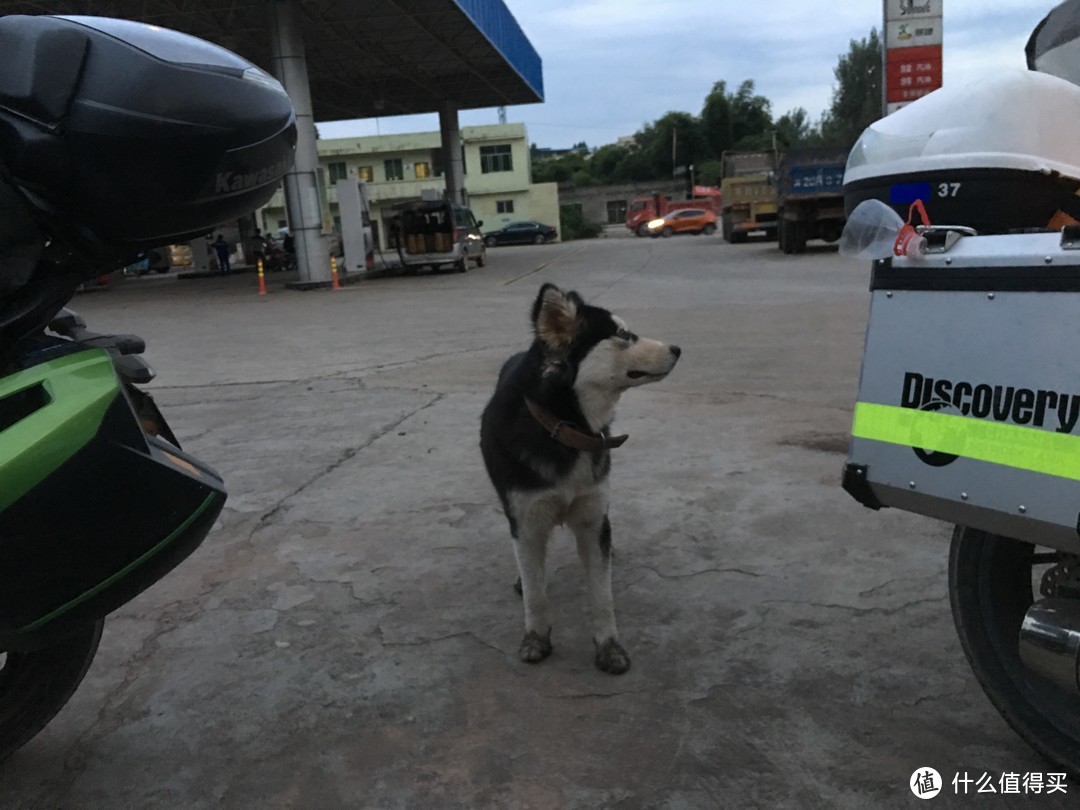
point(333, 272)
point(262, 279)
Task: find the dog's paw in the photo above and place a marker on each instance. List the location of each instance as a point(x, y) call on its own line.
point(535, 647)
point(517, 586)
point(611, 657)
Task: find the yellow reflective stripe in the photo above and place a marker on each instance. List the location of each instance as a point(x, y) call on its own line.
point(1024, 448)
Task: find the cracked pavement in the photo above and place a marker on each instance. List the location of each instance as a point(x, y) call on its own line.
point(347, 636)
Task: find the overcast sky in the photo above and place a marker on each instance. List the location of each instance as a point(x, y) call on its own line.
point(611, 66)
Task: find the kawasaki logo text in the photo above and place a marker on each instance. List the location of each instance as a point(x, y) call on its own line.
point(229, 182)
point(1002, 403)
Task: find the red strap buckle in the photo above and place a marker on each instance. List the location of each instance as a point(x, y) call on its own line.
point(908, 232)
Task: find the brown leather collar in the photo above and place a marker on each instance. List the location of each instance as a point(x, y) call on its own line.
point(568, 434)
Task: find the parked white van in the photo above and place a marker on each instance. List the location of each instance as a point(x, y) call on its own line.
point(437, 233)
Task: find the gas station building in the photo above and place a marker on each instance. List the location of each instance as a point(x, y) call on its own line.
point(347, 59)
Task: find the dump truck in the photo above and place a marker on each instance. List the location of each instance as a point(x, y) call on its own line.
point(748, 190)
point(810, 196)
point(644, 209)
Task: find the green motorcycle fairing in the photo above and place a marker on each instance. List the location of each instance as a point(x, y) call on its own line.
point(48, 412)
point(92, 509)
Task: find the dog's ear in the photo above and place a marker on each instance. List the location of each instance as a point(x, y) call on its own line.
point(556, 316)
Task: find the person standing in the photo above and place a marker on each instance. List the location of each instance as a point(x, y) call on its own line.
point(221, 248)
point(258, 247)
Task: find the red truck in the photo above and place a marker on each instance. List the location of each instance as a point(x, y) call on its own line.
point(643, 209)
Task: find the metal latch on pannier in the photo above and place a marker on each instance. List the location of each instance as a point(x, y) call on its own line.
point(1070, 237)
point(941, 238)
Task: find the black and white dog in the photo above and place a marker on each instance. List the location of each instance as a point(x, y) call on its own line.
point(546, 440)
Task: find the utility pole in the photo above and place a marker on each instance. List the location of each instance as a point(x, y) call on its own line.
point(674, 142)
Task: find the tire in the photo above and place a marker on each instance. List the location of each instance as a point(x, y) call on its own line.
point(481, 260)
point(727, 228)
point(990, 589)
point(34, 686)
point(738, 237)
point(667, 232)
point(830, 230)
point(783, 237)
point(642, 230)
point(787, 237)
point(709, 229)
point(800, 237)
point(491, 241)
point(461, 266)
point(539, 239)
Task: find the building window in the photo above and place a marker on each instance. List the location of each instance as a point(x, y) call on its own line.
point(496, 159)
point(504, 206)
point(365, 173)
point(422, 170)
point(338, 171)
point(393, 169)
point(616, 212)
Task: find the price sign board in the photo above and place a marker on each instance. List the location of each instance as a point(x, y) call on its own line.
point(913, 56)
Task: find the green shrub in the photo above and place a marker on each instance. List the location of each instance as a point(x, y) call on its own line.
point(573, 225)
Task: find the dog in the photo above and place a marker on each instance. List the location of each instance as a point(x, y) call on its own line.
point(546, 440)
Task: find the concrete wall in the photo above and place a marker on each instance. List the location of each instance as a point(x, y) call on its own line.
point(540, 202)
point(594, 199)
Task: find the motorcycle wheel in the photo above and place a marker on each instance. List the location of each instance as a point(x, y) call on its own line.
point(35, 686)
point(992, 583)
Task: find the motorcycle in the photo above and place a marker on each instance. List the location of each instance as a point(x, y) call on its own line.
point(966, 404)
point(960, 428)
point(97, 499)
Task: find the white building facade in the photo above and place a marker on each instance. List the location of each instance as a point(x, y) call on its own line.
point(400, 168)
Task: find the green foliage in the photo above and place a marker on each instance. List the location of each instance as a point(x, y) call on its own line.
point(739, 120)
point(751, 117)
point(572, 224)
point(558, 169)
point(674, 140)
point(856, 101)
point(708, 172)
point(793, 129)
point(717, 122)
point(729, 120)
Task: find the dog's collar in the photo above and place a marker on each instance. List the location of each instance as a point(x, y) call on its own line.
point(568, 434)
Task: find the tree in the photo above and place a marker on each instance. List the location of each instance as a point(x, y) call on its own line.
point(717, 124)
point(610, 163)
point(558, 169)
point(708, 172)
point(676, 139)
point(739, 120)
point(793, 129)
point(856, 101)
point(751, 118)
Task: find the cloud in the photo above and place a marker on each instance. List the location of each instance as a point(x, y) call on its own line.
point(611, 66)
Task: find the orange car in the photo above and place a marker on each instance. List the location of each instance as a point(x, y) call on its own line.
point(684, 220)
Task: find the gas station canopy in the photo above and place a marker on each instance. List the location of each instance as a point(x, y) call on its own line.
point(365, 58)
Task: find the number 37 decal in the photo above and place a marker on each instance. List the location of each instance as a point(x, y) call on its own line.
point(948, 189)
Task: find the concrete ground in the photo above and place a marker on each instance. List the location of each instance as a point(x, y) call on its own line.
point(347, 636)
